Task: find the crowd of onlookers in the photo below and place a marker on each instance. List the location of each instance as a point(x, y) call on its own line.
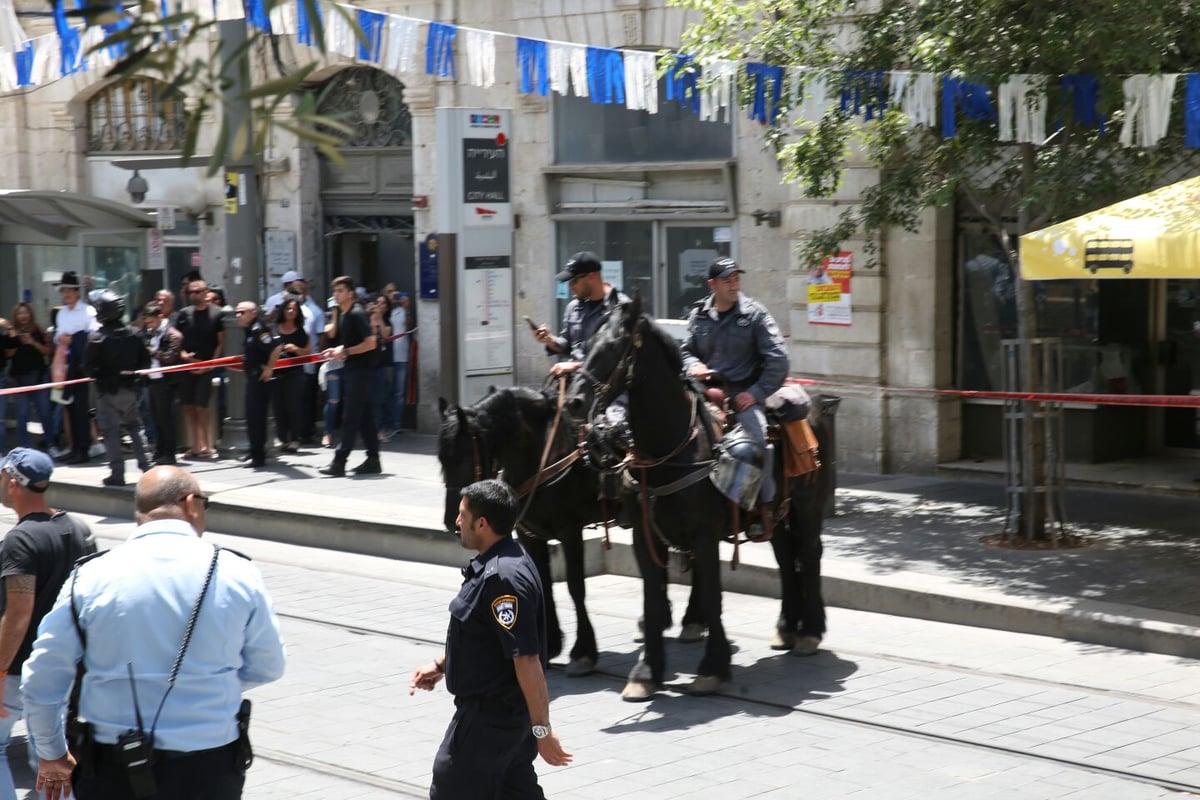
point(177, 407)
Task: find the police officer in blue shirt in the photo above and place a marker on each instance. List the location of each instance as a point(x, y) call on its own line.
point(735, 336)
point(584, 315)
point(260, 351)
point(124, 614)
point(494, 662)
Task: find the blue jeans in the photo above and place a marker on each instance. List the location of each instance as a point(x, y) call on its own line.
point(399, 393)
point(40, 400)
point(381, 396)
point(14, 707)
point(333, 398)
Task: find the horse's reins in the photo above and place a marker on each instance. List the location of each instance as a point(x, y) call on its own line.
point(562, 393)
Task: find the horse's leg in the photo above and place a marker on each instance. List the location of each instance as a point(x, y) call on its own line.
point(584, 653)
point(539, 551)
point(784, 544)
point(808, 539)
point(706, 577)
point(693, 625)
point(647, 674)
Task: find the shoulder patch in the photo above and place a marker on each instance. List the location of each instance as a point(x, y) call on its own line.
point(264, 337)
point(504, 609)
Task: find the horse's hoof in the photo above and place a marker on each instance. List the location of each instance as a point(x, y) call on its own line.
point(692, 632)
point(705, 684)
point(638, 691)
point(578, 667)
point(784, 640)
point(807, 646)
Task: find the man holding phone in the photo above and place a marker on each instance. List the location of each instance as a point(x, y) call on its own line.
point(589, 308)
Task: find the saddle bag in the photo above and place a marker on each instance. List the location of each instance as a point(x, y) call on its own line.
point(801, 455)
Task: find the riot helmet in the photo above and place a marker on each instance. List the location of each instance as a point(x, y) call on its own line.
point(738, 473)
point(110, 307)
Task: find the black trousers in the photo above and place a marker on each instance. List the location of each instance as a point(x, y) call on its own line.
point(486, 756)
point(357, 415)
point(258, 400)
point(289, 403)
point(162, 410)
point(204, 775)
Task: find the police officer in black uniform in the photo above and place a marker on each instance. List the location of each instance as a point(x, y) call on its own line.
point(494, 663)
point(260, 351)
point(112, 355)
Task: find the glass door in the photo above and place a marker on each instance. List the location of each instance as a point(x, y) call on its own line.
point(1180, 357)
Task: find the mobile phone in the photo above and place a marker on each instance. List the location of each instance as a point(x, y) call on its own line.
point(532, 325)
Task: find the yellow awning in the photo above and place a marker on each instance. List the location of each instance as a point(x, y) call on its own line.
point(1154, 235)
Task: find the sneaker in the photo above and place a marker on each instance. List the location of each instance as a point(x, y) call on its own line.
point(59, 452)
point(96, 450)
point(334, 470)
point(369, 467)
point(113, 480)
point(56, 396)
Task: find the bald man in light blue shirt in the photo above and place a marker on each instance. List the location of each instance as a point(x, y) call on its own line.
point(133, 605)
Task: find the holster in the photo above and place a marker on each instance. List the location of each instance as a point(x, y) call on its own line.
point(243, 752)
point(800, 452)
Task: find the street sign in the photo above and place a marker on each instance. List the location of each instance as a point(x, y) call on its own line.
point(166, 218)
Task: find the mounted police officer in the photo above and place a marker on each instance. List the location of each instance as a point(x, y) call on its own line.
point(260, 351)
point(735, 336)
point(113, 354)
point(584, 315)
point(494, 663)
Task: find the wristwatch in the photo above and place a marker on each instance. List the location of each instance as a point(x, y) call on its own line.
point(541, 731)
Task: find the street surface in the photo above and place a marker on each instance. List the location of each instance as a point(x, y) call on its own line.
point(890, 708)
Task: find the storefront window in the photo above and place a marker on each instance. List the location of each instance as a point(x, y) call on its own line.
point(625, 249)
point(598, 133)
point(1066, 310)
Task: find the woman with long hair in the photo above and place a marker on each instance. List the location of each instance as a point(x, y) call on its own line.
point(289, 383)
point(30, 347)
point(379, 311)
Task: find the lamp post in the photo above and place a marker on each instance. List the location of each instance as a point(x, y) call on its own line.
point(242, 225)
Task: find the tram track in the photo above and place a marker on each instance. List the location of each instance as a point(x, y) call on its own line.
point(742, 700)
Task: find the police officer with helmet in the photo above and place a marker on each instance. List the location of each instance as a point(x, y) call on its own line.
point(113, 354)
point(735, 336)
point(260, 351)
point(494, 663)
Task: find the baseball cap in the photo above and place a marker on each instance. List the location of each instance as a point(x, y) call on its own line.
point(291, 275)
point(31, 468)
point(723, 267)
point(579, 264)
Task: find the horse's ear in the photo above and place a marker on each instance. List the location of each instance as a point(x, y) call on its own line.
point(491, 390)
point(462, 418)
point(635, 308)
point(442, 406)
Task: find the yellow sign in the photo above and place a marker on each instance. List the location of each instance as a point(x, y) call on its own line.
point(1154, 235)
point(829, 293)
point(231, 192)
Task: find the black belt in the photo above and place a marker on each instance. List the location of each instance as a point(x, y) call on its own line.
point(108, 753)
point(495, 705)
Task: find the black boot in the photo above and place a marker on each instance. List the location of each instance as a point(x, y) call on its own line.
point(369, 467)
point(338, 468)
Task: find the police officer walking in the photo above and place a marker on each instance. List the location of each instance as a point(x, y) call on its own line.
point(113, 354)
point(494, 662)
point(731, 334)
point(260, 351)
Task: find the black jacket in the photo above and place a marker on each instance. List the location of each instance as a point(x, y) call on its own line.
point(112, 351)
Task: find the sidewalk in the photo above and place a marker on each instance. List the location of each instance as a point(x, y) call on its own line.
point(900, 545)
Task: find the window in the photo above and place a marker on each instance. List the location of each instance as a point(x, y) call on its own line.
point(598, 133)
point(138, 114)
point(370, 103)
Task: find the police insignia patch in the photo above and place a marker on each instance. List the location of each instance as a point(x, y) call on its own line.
point(264, 337)
point(743, 322)
point(504, 609)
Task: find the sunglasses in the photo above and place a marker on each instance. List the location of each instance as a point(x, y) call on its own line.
point(203, 498)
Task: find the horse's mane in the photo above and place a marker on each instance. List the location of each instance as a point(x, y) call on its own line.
point(668, 343)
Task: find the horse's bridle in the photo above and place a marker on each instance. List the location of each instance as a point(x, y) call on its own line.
point(601, 389)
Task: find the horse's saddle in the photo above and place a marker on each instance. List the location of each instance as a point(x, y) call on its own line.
point(787, 427)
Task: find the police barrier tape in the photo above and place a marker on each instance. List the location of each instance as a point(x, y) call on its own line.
point(233, 362)
point(1150, 400)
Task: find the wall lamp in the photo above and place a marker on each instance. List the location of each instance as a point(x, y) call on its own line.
point(773, 218)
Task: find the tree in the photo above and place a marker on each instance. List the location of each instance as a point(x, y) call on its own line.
point(184, 52)
point(1017, 188)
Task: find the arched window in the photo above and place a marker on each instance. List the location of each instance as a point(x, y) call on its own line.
point(137, 114)
point(369, 102)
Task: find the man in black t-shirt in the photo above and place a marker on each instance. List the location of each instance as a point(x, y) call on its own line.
point(35, 559)
point(353, 343)
point(203, 338)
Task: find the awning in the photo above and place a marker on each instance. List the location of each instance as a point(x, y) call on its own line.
point(1154, 235)
point(59, 214)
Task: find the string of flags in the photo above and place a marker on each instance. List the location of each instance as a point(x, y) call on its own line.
point(1017, 107)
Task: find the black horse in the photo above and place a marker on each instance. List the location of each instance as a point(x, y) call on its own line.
point(685, 510)
point(504, 435)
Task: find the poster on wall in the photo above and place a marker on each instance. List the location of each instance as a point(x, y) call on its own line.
point(829, 291)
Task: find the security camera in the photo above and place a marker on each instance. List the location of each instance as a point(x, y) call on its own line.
point(137, 187)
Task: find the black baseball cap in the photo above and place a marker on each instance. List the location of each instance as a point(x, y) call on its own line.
point(579, 264)
point(723, 267)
